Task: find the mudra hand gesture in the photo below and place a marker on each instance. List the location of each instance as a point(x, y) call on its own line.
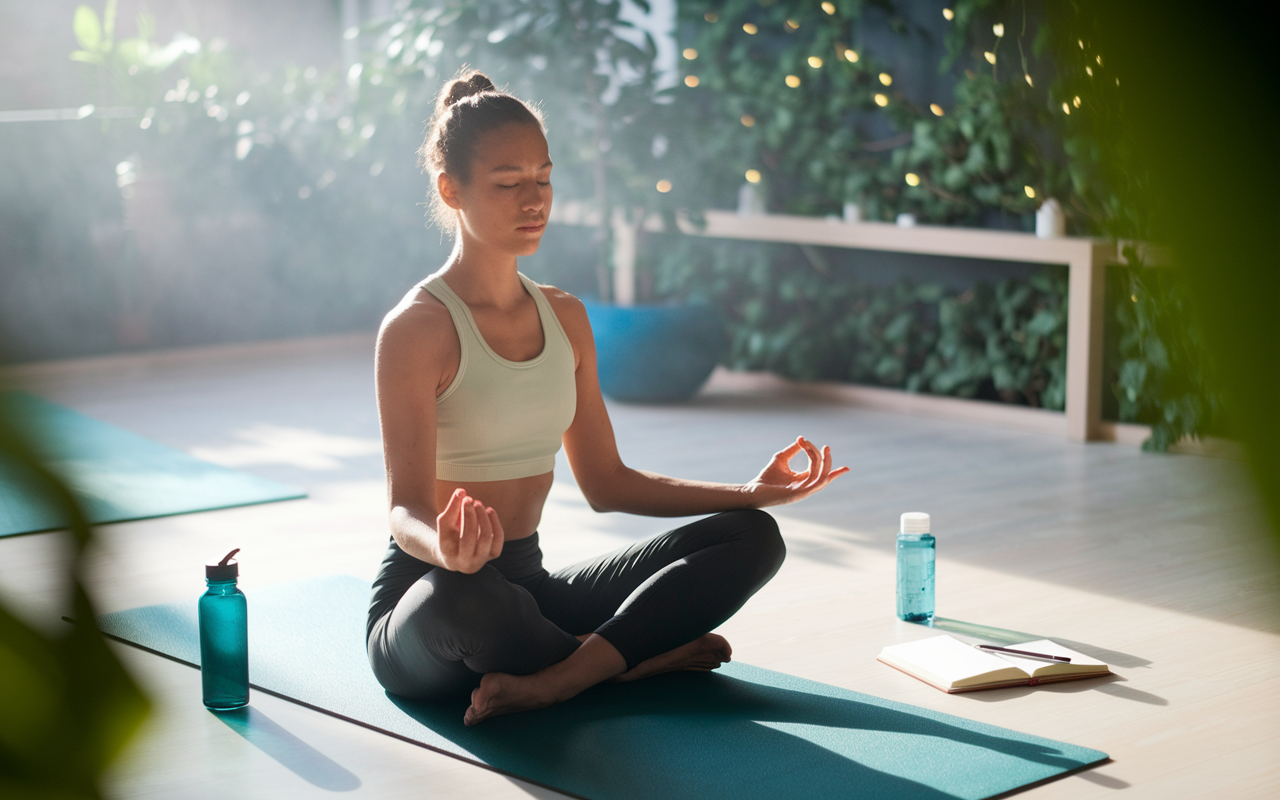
point(778, 484)
point(470, 534)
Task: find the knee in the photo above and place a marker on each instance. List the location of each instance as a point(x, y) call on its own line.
point(461, 602)
point(758, 532)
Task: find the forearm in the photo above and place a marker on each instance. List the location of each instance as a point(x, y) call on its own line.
point(635, 491)
point(415, 535)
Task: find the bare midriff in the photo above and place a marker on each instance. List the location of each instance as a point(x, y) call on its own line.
point(518, 501)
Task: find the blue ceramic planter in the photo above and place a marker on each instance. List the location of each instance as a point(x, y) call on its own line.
point(656, 354)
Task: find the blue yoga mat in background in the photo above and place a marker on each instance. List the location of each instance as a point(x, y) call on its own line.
point(740, 732)
point(116, 475)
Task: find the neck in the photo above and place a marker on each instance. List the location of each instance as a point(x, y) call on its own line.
point(480, 275)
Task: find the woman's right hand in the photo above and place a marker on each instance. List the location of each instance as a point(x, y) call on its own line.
point(470, 534)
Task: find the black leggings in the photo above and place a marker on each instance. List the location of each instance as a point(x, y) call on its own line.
point(438, 631)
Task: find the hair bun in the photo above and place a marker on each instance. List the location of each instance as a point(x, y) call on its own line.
point(465, 85)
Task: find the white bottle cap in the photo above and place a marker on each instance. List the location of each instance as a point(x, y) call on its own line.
point(915, 522)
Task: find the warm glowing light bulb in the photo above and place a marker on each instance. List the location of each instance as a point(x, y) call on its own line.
point(793, 81)
point(1075, 101)
point(753, 176)
point(989, 56)
point(830, 8)
point(750, 28)
point(711, 16)
point(691, 81)
point(912, 179)
point(851, 56)
point(1030, 192)
point(936, 109)
point(1066, 109)
point(998, 29)
point(664, 186)
point(1081, 43)
point(748, 120)
point(815, 62)
point(690, 53)
point(793, 25)
point(1029, 81)
point(1098, 59)
point(886, 78)
point(881, 100)
point(948, 14)
point(1088, 71)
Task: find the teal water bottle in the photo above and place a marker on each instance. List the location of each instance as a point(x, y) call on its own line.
point(916, 551)
point(224, 637)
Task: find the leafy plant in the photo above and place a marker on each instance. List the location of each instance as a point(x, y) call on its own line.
point(67, 706)
point(1161, 369)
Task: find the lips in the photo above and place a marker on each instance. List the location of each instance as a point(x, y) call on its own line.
point(533, 227)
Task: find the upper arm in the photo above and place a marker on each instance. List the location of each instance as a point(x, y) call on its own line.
point(589, 442)
point(413, 357)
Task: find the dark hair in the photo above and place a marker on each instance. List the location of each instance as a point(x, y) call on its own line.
point(468, 107)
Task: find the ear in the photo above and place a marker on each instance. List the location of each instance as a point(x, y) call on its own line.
point(449, 191)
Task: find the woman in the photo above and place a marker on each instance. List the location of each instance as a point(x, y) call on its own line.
point(481, 376)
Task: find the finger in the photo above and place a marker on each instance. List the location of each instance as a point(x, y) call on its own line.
point(484, 539)
point(470, 529)
point(452, 513)
point(783, 457)
point(499, 535)
point(815, 460)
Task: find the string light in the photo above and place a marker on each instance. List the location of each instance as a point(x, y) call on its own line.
point(936, 109)
point(998, 29)
point(793, 25)
point(1066, 109)
point(1117, 81)
point(851, 56)
point(815, 62)
point(753, 176)
point(711, 16)
point(881, 100)
point(690, 53)
point(664, 186)
point(830, 8)
point(1030, 192)
point(1081, 43)
point(1029, 81)
point(948, 14)
point(793, 81)
point(1088, 71)
point(1133, 298)
point(750, 28)
point(912, 179)
point(691, 81)
point(1075, 101)
point(1099, 60)
point(886, 78)
point(989, 56)
point(747, 120)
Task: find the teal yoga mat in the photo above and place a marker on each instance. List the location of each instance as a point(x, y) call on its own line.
point(115, 474)
point(741, 732)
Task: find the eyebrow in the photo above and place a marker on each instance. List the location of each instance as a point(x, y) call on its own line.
point(513, 168)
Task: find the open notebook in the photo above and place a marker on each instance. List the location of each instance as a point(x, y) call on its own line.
point(952, 666)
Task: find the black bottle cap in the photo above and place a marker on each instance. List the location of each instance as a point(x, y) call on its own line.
point(228, 569)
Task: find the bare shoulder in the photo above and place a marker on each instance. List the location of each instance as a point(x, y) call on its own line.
point(418, 327)
point(571, 313)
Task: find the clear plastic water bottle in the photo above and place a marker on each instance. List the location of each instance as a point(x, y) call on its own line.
point(224, 637)
point(916, 551)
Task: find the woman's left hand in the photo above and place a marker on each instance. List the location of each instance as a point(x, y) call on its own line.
point(778, 484)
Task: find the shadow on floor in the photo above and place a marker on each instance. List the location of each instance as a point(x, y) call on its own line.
point(288, 750)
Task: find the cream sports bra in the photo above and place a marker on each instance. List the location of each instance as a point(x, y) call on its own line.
point(501, 419)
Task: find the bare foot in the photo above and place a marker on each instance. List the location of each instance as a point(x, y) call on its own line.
point(702, 654)
point(500, 693)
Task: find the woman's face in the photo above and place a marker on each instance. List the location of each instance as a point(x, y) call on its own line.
point(506, 203)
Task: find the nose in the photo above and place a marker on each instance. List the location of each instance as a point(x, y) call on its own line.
point(535, 198)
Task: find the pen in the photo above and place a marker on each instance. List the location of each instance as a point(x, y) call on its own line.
point(1024, 653)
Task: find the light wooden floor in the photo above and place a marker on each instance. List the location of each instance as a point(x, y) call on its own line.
point(1153, 563)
